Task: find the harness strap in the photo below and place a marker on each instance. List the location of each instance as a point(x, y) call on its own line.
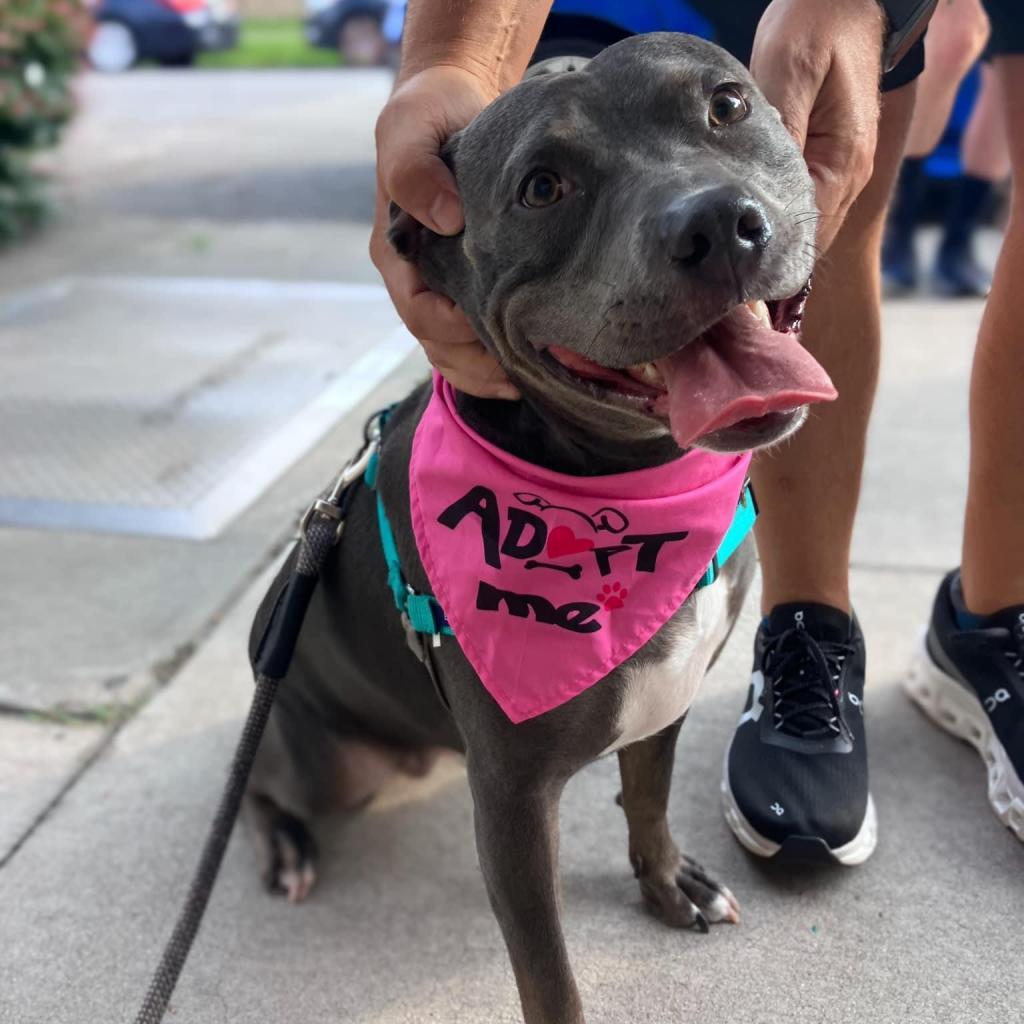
point(742, 523)
point(421, 611)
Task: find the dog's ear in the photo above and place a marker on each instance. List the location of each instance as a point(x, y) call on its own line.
point(406, 234)
point(441, 259)
point(556, 66)
point(408, 237)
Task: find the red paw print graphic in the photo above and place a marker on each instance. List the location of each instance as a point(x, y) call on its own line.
point(612, 596)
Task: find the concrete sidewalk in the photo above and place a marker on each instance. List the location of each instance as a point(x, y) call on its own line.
point(399, 930)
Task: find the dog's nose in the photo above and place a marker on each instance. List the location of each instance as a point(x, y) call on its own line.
point(721, 225)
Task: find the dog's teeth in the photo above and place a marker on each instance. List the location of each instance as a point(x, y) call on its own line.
point(647, 373)
point(760, 310)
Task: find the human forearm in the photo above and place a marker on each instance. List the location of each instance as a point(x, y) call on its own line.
point(493, 39)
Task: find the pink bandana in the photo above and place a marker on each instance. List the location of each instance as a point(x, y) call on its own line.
point(550, 581)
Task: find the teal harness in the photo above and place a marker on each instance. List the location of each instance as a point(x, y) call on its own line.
point(422, 611)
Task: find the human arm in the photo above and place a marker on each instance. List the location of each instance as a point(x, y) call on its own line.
point(457, 56)
point(820, 65)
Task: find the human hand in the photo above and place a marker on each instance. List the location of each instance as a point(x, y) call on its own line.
point(422, 113)
point(820, 65)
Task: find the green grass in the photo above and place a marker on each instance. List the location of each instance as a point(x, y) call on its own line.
point(270, 43)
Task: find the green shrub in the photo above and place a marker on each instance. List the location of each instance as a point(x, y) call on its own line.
point(40, 44)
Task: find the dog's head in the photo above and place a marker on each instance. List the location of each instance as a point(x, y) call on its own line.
point(639, 239)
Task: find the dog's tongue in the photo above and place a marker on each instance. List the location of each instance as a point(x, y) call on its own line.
point(737, 370)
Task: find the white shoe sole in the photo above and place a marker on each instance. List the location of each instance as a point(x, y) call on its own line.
point(954, 708)
point(850, 854)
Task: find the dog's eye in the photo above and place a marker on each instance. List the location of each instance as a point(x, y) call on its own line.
point(541, 188)
point(728, 105)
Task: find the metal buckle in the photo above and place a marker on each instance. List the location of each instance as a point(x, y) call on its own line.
point(328, 510)
point(355, 469)
point(413, 639)
point(329, 507)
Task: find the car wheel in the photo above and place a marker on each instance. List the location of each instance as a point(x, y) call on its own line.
point(112, 47)
point(361, 42)
point(180, 60)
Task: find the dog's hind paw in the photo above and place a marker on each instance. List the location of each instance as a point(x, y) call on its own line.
point(291, 867)
point(684, 896)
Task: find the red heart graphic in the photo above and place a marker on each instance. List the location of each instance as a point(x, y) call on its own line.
point(562, 541)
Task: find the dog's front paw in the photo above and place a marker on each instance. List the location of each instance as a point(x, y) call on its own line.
point(683, 895)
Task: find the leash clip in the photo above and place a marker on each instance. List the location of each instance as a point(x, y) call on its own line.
point(330, 507)
point(356, 468)
point(326, 509)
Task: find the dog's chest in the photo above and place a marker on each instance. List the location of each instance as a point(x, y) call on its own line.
point(657, 693)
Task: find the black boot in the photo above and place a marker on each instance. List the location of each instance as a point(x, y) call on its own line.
point(957, 272)
point(899, 259)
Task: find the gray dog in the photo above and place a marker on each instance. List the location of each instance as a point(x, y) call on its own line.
point(638, 242)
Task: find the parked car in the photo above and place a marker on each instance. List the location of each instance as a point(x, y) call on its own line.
point(353, 28)
point(367, 32)
point(170, 32)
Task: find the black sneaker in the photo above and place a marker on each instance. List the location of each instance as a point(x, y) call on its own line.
point(971, 683)
point(796, 773)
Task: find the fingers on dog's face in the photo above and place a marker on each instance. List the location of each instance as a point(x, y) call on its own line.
point(469, 367)
point(426, 313)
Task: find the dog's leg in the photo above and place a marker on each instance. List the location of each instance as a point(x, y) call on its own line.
point(286, 848)
point(674, 887)
point(303, 770)
point(517, 841)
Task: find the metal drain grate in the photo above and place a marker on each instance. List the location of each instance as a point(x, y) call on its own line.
point(166, 405)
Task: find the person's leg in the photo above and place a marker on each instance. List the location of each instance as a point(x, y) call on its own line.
point(985, 151)
point(968, 676)
point(796, 774)
point(808, 488)
point(956, 36)
point(986, 162)
point(992, 568)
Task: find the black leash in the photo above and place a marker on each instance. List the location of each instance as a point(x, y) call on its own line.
point(321, 529)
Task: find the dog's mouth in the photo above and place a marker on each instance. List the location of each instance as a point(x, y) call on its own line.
point(745, 372)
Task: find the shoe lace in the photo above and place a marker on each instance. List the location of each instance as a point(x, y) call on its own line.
point(804, 674)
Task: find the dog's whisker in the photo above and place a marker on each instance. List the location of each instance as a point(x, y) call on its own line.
point(605, 322)
point(593, 341)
